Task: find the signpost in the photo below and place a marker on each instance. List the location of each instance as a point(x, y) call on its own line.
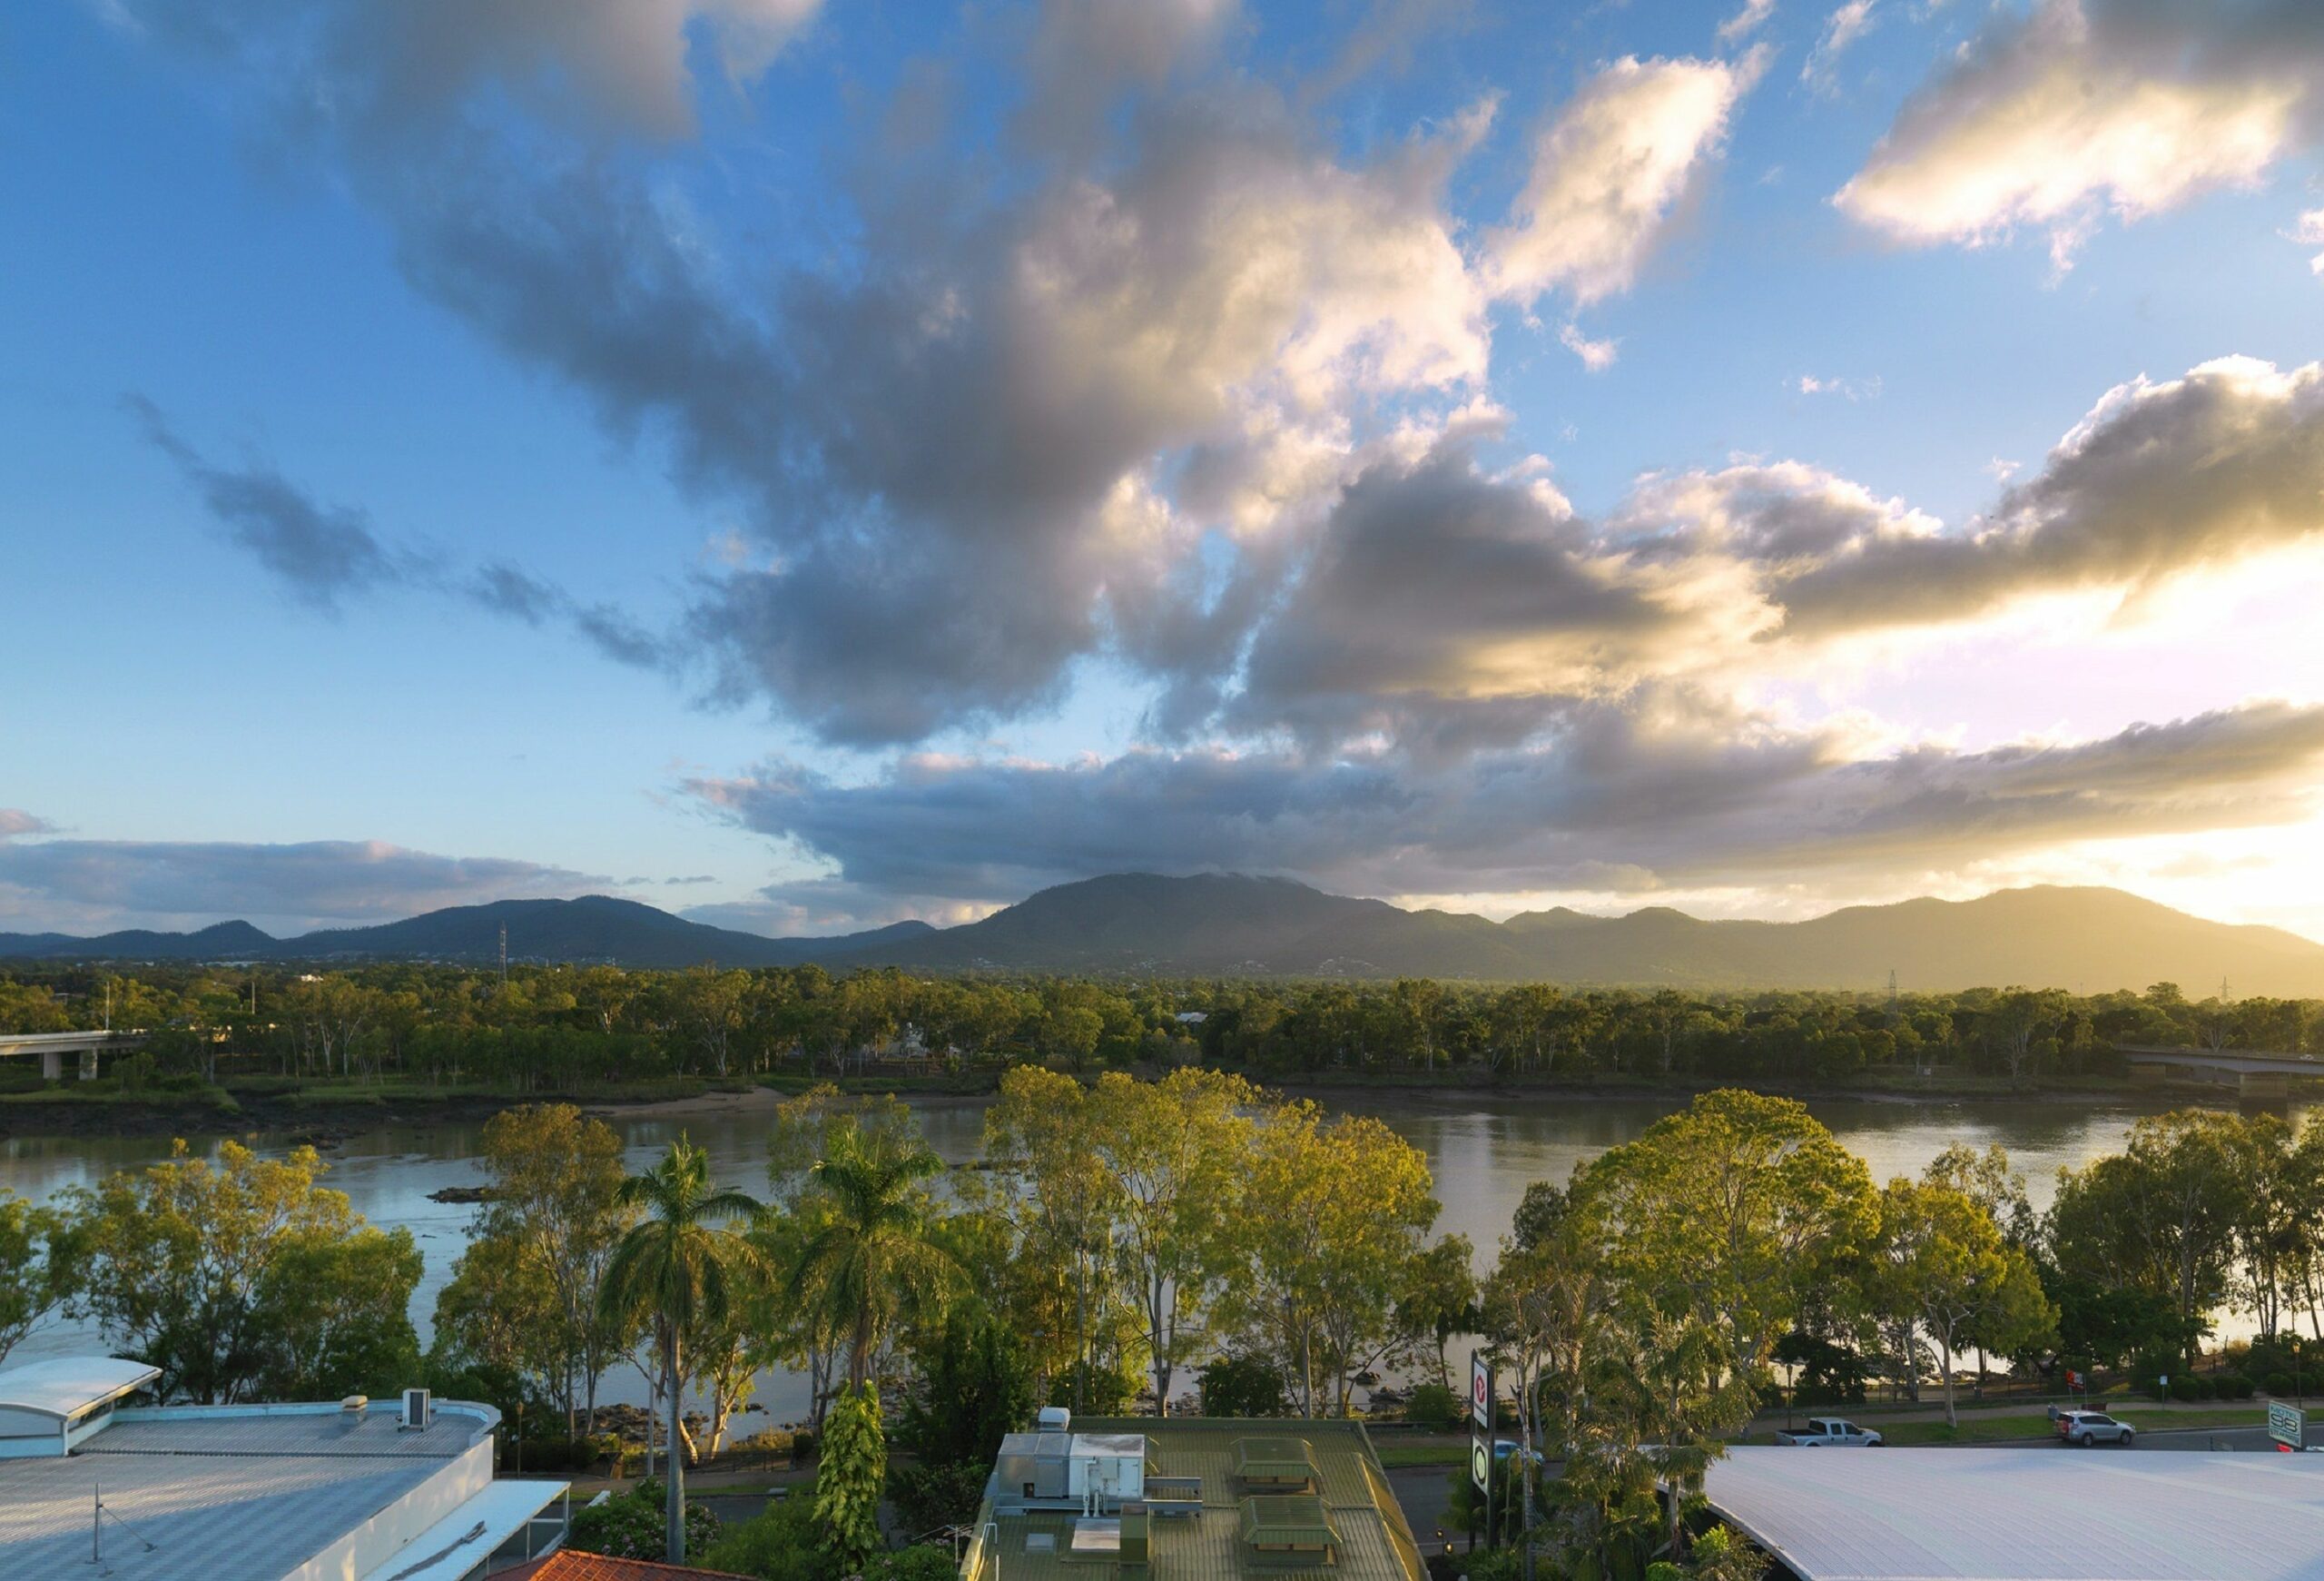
point(1481, 1467)
point(2286, 1424)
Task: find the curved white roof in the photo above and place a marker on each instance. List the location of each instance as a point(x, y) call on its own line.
point(64, 1385)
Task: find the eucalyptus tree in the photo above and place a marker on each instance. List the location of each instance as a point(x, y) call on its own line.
point(1939, 1272)
point(684, 1271)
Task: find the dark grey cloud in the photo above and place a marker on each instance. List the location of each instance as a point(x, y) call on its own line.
point(167, 883)
point(1683, 796)
point(320, 554)
point(325, 553)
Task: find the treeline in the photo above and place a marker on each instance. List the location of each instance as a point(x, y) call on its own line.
point(574, 1028)
point(1195, 1244)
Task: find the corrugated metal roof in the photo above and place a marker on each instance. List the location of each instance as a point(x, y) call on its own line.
point(220, 1495)
point(2048, 1513)
point(65, 1386)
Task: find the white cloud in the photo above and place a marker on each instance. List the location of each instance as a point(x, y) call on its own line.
point(1609, 171)
point(1596, 355)
point(2310, 233)
point(1846, 388)
point(2090, 104)
point(1746, 22)
point(1841, 29)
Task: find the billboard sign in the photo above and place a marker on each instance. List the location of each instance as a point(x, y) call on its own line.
point(1480, 1389)
point(2286, 1424)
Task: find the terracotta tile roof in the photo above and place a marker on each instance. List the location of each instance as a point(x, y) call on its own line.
point(571, 1565)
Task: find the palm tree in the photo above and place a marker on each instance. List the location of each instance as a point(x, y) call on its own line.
point(683, 1272)
point(871, 1255)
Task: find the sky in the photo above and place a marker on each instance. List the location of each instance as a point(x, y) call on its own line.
point(805, 463)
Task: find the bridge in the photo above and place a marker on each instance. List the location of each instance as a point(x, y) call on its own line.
point(53, 1046)
point(2257, 1072)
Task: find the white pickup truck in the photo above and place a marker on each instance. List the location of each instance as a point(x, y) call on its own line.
point(1830, 1430)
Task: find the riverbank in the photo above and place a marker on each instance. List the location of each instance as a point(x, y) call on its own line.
point(276, 1105)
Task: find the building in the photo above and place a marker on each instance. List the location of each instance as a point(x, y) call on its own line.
point(92, 1484)
point(1152, 1498)
point(2049, 1513)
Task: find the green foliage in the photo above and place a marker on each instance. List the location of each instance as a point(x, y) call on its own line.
point(630, 1526)
point(39, 1265)
point(1435, 1405)
point(853, 1473)
point(244, 1278)
point(930, 1497)
point(782, 1543)
point(920, 1562)
point(1241, 1386)
point(974, 1384)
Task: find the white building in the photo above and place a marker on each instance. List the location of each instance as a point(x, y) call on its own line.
point(93, 1486)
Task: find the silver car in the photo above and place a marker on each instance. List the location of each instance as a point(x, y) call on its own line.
point(2088, 1427)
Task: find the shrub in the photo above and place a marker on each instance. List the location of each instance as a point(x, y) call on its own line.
point(1241, 1386)
point(929, 1497)
point(2280, 1384)
point(630, 1526)
point(2183, 1388)
point(1435, 1405)
point(2235, 1386)
point(2206, 1388)
point(781, 1544)
point(920, 1562)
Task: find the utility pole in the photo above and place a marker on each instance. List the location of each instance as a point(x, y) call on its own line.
point(504, 957)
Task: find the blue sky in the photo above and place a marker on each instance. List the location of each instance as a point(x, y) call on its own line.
point(810, 464)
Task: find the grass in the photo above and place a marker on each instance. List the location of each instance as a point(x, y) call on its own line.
point(1404, 1457)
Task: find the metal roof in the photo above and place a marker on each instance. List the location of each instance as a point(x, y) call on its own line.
point(2047, 1514)
point(455, 1545)
point(65, 1386)
point(221, 1493)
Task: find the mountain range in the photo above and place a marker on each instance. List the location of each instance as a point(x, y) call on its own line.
point(1229, 924)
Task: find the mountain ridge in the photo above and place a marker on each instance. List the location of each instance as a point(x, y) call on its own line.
point(2087, 940)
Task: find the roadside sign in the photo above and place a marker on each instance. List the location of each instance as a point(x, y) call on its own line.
point(1480, 1462)
point(1480, 1389)
point(2286, 1424)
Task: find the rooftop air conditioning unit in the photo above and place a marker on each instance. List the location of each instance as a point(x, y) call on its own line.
point(1053, 1419)
point(416, 1408)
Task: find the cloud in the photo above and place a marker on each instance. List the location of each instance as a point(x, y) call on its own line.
point(2158, 481)
point(16, 821)
point(1842, 28)
point(1616, 799)
point(2309, 231)
point(1851, 390)
point(320, 554)
point(1609, 171)
point(1745, 22)
point(111, 884)
point(1597, 356)
point(324, 554)
point(2084, 105)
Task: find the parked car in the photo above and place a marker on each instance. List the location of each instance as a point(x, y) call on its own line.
point(2088, 1427)
point(1822, 1430)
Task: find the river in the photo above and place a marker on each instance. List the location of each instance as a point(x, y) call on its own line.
point(1484, 1150)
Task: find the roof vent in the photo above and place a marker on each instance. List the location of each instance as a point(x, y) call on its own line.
point(356, 1403)
point(1052, 1418)
point(1275, 1464)
point(1290, 1527)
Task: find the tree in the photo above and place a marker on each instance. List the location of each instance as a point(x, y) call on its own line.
point(678, 1268)
point(853, 1472)
point(1335, 1215)
point(1940, 1269)
point(244, 1277)
point(1730, 1209)
point(554, 1214)
point(974, 1385)
point(2163, 1214)
point(38, 1269)
point(874, 1257)
point(1438, 1298)
point(1061, 1203)
point(1176, 1150)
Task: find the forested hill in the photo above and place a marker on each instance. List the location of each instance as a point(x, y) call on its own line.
point(1222, 924)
